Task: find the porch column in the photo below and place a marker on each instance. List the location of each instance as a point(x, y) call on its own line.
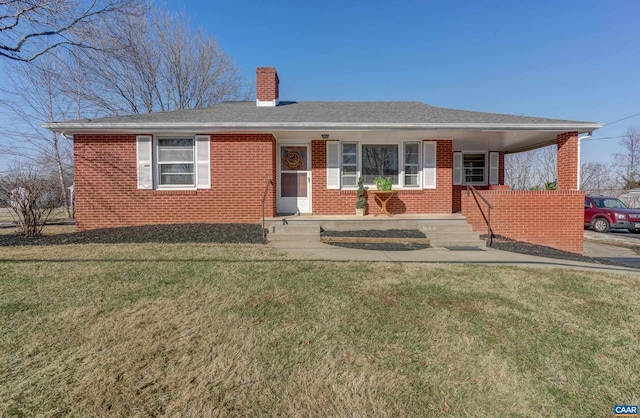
point(568, 161)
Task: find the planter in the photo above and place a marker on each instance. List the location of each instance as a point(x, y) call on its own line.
point(359, 212)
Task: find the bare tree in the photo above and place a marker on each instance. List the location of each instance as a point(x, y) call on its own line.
point(136, 66)
point(30, 198)
point(596, 177)
point(518, 168)
point(143, 67)
point(38, 93)
point(547, 166)
point(535, 169)
point(30, 28)
point(628, 163)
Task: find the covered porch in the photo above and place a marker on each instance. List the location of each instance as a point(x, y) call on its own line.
point(553, 218)
point(549, 217)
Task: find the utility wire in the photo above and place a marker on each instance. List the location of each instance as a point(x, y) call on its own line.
point(603, 137)
point(611, 123)
point(620, 120)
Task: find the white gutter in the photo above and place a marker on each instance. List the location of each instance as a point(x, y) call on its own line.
point(203, 126)
point(580, 138)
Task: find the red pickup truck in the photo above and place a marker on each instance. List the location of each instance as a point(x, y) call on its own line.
point(603, 213)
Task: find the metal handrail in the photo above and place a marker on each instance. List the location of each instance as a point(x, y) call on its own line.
point(490, 206)
point(264, 197)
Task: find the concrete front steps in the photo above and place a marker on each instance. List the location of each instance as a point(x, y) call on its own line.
point(293, 232)
point(451, 233)
point(449, 230)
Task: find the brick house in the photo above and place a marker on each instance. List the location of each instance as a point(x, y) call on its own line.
point(214, 164)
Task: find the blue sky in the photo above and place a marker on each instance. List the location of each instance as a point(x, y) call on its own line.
point(574, 60)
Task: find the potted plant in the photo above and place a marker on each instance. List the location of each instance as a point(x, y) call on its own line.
point(383, 184)
point(361, 203)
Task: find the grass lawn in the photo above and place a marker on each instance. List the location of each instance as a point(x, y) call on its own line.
point(241, 330)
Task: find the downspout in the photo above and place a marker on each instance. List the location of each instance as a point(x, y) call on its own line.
point(580, 138)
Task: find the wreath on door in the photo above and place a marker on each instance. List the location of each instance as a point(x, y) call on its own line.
point(293, 159)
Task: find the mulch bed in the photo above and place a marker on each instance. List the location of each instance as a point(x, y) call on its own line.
point(378, 233)
point(507, 244)
point(170, 234)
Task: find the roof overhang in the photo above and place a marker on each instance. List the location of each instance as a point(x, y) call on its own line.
point(509, 138)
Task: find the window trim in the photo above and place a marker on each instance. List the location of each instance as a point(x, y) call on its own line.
point(157, 164)
point(342, 164)
point(401, 167)
point(418, 165)
point(485, 181)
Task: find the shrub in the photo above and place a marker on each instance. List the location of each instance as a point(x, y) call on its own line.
point(361, 203)
point(30, 199)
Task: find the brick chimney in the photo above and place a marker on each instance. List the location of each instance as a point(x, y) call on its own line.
point(267, 87)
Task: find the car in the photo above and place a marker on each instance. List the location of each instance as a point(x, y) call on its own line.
point(603, 213)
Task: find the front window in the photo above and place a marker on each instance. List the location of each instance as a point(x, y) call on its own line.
point(411, 160)
point(176, 166)
point(474, 168)
point(379, 161)
point(349, 164)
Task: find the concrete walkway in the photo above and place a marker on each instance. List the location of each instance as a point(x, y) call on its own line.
point(489, 256)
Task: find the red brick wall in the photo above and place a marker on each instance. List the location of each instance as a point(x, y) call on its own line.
point(267, 84)
point(568, 161)
point(339, 202)
point(551, 218)
point(107, 194)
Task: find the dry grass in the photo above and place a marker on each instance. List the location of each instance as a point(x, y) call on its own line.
point(5, 215)
point(241, 330)
point(56, 215)
point(47, 230)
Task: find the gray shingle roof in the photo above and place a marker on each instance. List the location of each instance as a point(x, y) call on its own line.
point(325, 114)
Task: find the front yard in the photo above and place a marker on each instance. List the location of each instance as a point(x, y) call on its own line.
point(241, 330)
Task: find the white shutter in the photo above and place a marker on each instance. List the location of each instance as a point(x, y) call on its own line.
point(429, 165)
point(333, 165)
point(203, 162)
point(494, 165)
point(457, 168)
point(145, 163)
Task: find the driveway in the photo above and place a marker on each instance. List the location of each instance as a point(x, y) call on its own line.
point(618, 246)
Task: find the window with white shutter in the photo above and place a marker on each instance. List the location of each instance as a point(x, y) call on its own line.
point(470, 168)
point(174, 163)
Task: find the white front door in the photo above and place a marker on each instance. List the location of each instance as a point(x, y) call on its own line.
point(294, 179)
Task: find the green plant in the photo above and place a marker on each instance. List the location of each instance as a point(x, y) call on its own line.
point(550, 185)
point(384, 184)
point(361, 203)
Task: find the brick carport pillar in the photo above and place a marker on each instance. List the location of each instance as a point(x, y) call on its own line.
point(568, 157)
